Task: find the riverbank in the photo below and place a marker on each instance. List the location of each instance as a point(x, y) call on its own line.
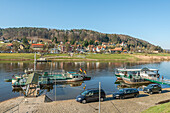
point(131, 105)
point(87, 57)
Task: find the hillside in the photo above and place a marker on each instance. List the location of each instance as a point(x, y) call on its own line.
point(79, 35)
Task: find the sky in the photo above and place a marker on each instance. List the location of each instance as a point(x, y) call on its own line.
point(144, 19)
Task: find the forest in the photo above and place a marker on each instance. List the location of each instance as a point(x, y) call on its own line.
point(82, 36)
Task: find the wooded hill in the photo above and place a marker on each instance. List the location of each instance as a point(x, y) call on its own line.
point(79, 35)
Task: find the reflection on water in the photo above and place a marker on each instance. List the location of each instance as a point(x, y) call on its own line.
point(122, 84)
point(99, 71)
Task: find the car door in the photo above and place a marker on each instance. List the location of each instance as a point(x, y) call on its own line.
point(90, 96)
point(127, 93)
point(96, 95)
point(155, 88)
point(131, 93)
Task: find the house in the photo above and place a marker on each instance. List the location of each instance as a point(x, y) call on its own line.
point(2, 38)
point(94, 49)
point(21, 46)
point(125, 51)
point(98, 48)
point(37, 46)
point(155, 52)
point(116, 50)
point(96, 42)
point(62, 48)
point(54, 50)
point(10, 45)
point(90, 47)
point(105, 43)
point(122, 44)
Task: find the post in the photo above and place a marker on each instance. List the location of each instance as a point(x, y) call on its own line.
point(35, 61)
point(55, 87)
point(99, 95)
point(18, 108)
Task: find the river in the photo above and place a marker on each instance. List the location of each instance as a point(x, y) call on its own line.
point(99, 71)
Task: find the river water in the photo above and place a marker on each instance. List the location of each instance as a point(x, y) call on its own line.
point(99, 71)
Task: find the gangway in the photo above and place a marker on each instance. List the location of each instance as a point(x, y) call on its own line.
point(159, 81)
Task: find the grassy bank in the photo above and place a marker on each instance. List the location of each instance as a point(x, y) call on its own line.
point(158, 54)
point(163, 108)
point(91, 57)
point(17, 56)
point(83, 57)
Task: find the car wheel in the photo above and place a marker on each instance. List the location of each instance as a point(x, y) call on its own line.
point(135, 96)
point(150, 92)
point(160, 91)
point(84, 101)
point(122, 97)
point(101, 99)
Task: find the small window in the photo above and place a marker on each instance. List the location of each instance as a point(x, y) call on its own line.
point(90, 93)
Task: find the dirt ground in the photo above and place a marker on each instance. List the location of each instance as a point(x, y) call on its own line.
point(110, 105)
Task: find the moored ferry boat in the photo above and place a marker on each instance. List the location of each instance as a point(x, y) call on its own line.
point(137, 76)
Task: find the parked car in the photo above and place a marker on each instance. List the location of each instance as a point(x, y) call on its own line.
point(90, 95)
point(126, 93)
point(152, 88)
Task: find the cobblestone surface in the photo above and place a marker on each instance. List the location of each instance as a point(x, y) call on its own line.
point(130, 105)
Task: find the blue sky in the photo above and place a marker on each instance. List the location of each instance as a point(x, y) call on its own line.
point(145, 19)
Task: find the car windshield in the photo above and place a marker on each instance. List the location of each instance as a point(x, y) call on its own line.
point(150, 85)
point(84, 93)
point(121, 90)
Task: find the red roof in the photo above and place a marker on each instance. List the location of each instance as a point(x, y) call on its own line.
point(117, 49)
point(99, 47)
point(37, 45)
point(10, 44)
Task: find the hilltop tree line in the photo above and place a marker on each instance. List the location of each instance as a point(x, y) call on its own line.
point(85, 37)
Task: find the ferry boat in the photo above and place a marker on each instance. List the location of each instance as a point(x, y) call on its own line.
point(136, 76)
point(66, 77)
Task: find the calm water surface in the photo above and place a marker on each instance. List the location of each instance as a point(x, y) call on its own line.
point(99, 71)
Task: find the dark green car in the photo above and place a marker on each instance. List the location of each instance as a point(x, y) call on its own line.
point(153, 88)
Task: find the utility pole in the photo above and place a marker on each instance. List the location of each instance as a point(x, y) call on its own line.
point(35, 61)
point(55, 87)
point(99, 95)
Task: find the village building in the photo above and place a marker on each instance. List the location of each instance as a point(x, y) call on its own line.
point(22, 47)
point(122, 44)
point(9, 46)
point(37, 46)
point(54, 51)
point(116, 50)
point(96, 42)
point(105, 44)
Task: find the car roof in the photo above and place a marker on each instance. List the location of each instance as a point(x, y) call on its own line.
point(154, 84)
point(129, 88)
point(93, 89)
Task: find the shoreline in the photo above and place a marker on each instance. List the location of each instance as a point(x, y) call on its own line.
point(92, 57)
point(143, 102)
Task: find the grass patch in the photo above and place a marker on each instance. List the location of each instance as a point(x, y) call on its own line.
point(163, 108)
point(156, 54)
point(110, 56)
point(18, 56)
point(4, 44)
